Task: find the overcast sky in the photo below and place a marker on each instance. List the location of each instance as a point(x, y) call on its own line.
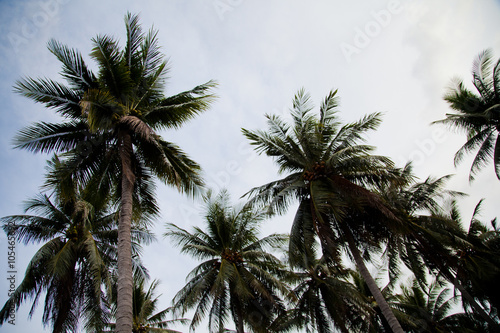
point(396, 57)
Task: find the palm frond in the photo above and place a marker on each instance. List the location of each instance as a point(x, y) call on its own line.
point(169, 163)
point(152, 58)
point(134, 39)
point(52, 94)
point(46, 137)
point(75, 71)
point(112, 71)
point(328, 110)
point(172, 112)
point(485, 152)
point(481, 72)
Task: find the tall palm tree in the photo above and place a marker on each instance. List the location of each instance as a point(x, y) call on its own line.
point(145, 305)
point(237, 275)
point(109, 132)
point(478, 113)
point(329, 171)
point(73, 265)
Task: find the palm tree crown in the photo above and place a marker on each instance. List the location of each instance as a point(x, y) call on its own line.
point(125, 98)
point(237, 276)
point(329, 167)
point(146, 319)
point(478, 114)
point(73, 265)
point(431, 309)
point(324, 300)
point(434, 240)
point(478, 262)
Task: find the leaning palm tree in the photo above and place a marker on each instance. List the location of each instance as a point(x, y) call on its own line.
point(146, 319)
point(478, 114)
point(329, 171)
point(237, 277)
point(109, 133)
point(73, 265)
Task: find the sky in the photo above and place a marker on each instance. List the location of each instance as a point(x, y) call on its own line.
point(396, 57)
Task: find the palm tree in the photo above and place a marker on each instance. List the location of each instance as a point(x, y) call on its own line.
point(478, 114)
point(420, 206)
point(109, 134)
point(324, 300)
point(433, 240)
point(145, 304)
point(430, 309)
point(477, 262)
point(73, 265)
point(237, 275)
point(329, 173)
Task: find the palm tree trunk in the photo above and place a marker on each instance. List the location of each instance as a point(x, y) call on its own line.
point(370, 282)
point(125, 283)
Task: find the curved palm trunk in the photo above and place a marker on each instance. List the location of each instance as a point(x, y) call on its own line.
point(370, 282)
point(125, 281)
